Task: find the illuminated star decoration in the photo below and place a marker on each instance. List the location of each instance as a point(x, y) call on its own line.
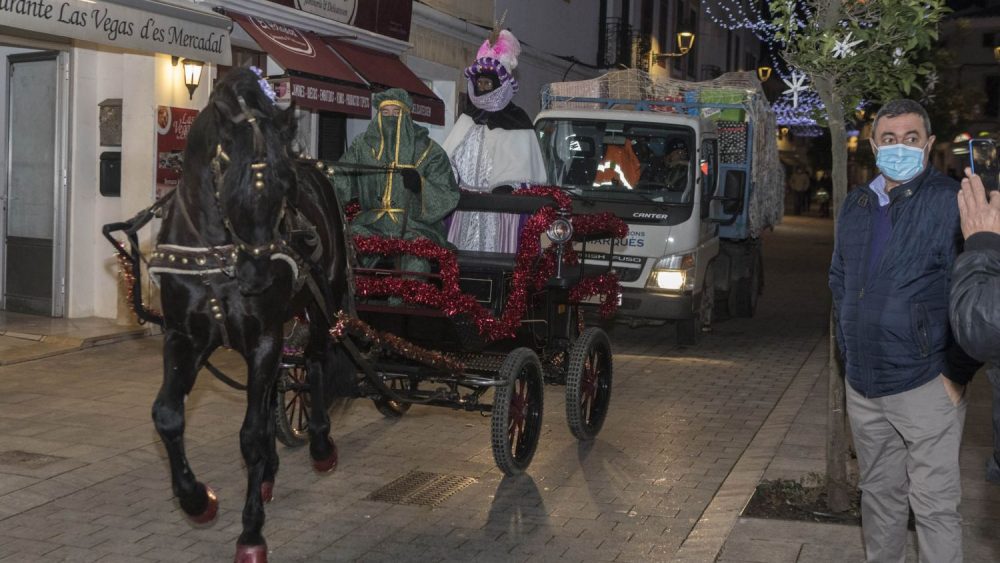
point(845, 47)
point(795, 85)
point(897, 56)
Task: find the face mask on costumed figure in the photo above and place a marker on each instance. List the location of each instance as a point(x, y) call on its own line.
point(491, 84)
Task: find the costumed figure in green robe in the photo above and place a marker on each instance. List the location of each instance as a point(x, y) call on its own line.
point(395, 201)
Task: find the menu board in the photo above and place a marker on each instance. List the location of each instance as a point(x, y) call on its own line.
point(172, 126)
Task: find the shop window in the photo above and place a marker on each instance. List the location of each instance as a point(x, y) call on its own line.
point(332, 136)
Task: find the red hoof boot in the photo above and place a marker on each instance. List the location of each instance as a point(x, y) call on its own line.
point(328, 464)
point(211, 508)
point(251, 554)
point(267, 491)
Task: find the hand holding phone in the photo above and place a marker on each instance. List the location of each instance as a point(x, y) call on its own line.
point(983, 160)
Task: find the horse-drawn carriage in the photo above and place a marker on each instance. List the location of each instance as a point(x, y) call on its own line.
point(481, 321)
point(254, 236)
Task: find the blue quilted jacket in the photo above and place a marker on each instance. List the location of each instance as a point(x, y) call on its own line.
point(893, 322)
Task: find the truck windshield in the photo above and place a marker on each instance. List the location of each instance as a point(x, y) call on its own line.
point(656, 161)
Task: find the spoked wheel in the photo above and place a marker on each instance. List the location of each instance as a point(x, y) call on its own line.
point(588, 383)
point(517, 411)
point(390, 408)
point(292, 406)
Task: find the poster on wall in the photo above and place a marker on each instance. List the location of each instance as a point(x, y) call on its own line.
point(172, 126)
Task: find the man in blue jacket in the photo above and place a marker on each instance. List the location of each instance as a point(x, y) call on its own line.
point(896, 240)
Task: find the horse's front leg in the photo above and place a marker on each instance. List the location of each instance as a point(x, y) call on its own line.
point(182, 356)
point(257, 444)
point(318, 355)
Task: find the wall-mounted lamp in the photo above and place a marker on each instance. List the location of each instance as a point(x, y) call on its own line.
point(685, 41)
point(764, 73)
point(996, 53)
point(192, 73)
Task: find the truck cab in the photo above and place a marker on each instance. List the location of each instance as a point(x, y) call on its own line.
point(683, 180)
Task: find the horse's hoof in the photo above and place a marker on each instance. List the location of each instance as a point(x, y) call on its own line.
point(328, 464)
point(251, 554)
point(267, 491)
point(211, 508)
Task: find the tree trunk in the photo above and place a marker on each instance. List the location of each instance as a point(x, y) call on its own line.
point(837, 487)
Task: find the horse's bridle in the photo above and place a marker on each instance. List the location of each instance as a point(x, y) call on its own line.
point(219, 169)
point(213, 259)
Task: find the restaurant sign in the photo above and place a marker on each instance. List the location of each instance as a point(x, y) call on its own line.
point(321, 95)
point(337, 10)
point(158, 28)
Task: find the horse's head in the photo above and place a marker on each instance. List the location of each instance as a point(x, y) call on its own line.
point(252, 169)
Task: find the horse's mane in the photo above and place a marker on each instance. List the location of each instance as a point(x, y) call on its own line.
point(223, 124)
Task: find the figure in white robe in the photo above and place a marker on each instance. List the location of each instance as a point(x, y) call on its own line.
point(492, 145)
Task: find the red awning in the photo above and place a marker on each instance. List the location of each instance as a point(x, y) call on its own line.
point(384, 71)
point(303, 51)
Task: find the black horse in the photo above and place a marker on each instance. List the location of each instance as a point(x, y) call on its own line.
point(252, 235)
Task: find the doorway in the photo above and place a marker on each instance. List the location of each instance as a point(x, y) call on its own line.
point(33, 192)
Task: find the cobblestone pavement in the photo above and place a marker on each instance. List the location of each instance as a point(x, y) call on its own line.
point(96, 487)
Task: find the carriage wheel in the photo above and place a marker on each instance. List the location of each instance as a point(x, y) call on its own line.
point(390, 408)
point(292, 406)
point(588, 383)
point(517, 411)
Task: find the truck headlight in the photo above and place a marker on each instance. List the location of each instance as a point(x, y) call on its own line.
point(673, 273)
point(672, 280)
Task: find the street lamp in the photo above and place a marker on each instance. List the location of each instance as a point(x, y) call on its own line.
point(685, 41)
point(192, 73)
point(764, 73)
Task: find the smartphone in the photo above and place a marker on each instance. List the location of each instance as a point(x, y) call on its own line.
point(984, 162)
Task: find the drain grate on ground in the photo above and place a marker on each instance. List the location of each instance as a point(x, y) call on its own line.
point(421, 488)
point(29, 460)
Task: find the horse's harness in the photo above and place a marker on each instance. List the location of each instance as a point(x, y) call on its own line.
point(210, 260)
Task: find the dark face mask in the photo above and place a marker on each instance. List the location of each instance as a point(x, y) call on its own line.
point(494, 80)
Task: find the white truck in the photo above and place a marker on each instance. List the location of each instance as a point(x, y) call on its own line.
point(691, 167)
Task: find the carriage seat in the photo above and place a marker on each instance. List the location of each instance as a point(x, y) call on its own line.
point(480, 261)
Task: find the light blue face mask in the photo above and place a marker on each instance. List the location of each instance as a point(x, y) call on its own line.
point(900, 163)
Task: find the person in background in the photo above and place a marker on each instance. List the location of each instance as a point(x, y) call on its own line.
point(414, 189)
point(799, 183)
point(975, 292)
point(492, 144)
point(896, 241)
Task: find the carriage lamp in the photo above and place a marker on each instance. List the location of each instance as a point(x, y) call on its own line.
point(764, 73)
point(560, 231)
point(685, 41)
point(673, 273)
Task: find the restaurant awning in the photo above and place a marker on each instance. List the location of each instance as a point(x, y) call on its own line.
point(331, 85)
point(384, 70)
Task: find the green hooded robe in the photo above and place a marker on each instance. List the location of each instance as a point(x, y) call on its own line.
point(387, 207)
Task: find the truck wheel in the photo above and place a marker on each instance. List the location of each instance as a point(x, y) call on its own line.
point(689, 331)
point(743, 297)
point(588, 383)
point(517, 411)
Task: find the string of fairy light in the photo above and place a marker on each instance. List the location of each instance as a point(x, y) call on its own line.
point(735, 15)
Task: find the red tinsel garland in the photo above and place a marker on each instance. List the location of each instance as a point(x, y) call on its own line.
point(125, 270)
point(347, 324)
point(532, 270)
point(605, 285)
